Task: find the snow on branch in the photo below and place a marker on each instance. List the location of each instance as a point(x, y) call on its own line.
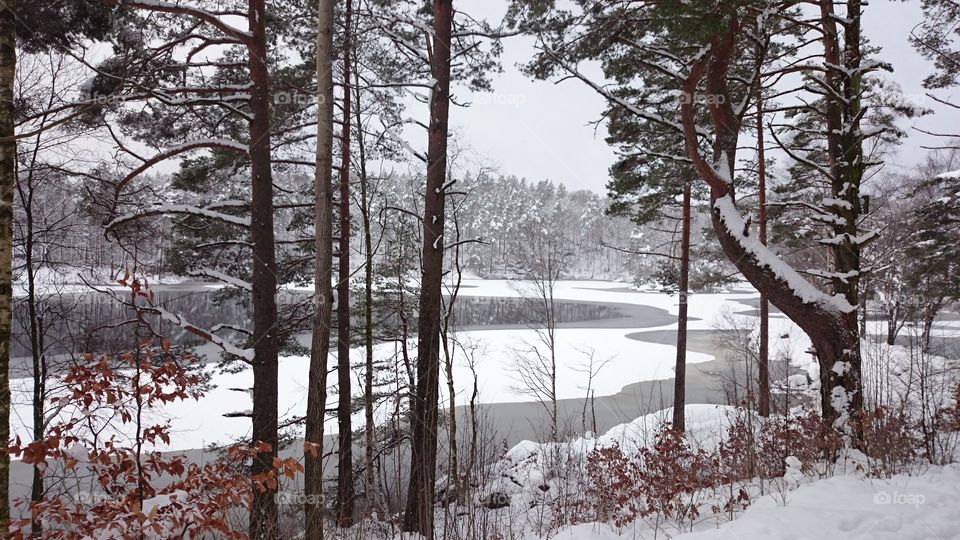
point(225, 278)
point(821, 214)
point(246, 354)
point(161, 209)
point(844, 277)
point(186, 147)
point(859, 240)
point(177, 8)
point(178, 320)
point(173, 152)
point(801, 288)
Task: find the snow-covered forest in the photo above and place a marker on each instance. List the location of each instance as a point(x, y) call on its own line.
point(479, 269)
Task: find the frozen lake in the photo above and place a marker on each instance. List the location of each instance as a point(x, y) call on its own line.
point(94, 322)
point(604, 320)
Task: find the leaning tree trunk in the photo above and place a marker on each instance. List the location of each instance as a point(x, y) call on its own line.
point(680, 378)
point(830, 321)
point(345, 396)
point(8, 179)
point(323, 271)
point(423, 460)
point(263, 514)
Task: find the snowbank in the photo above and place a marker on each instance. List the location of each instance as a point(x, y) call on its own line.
point(904, 507)
point(847, 506)
point(528, 466)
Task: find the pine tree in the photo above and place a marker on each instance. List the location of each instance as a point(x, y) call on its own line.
point(711, 51)
point(323, 273)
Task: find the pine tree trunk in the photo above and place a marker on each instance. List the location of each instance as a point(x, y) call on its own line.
point(369, 427)
point(423, 461)
point(323, 272)
point(344, 373)
point(8, 179)
point(763, 368)
point(263, 514)
point(680, 377)
point(841, 379)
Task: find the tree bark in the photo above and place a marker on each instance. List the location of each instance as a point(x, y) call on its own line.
point(323, 272)
point(36, 342)
point(763, 367)
point(841, 383)
point(369, 430)
point(893, 322)
point(680, 376)
point(344, 373)
point(8, 179)
point(449, 350)
point(263, 514)
point(930, 311)
point(423, 461)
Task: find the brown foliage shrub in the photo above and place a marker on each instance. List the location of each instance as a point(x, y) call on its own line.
point(889, 441)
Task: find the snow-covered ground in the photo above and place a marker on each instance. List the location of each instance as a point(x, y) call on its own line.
point(904, 507)
point(849, 505)
point(920, 506)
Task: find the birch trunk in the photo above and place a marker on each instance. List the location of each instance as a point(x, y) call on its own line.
point(8, 178)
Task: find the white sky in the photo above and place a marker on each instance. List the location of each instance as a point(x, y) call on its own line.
point(540, 130)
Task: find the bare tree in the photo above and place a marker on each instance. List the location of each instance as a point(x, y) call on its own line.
point(448, 341)
point(591, 368)
point(543, 260)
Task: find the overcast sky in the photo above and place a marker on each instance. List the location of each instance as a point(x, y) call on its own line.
point(540, 130)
